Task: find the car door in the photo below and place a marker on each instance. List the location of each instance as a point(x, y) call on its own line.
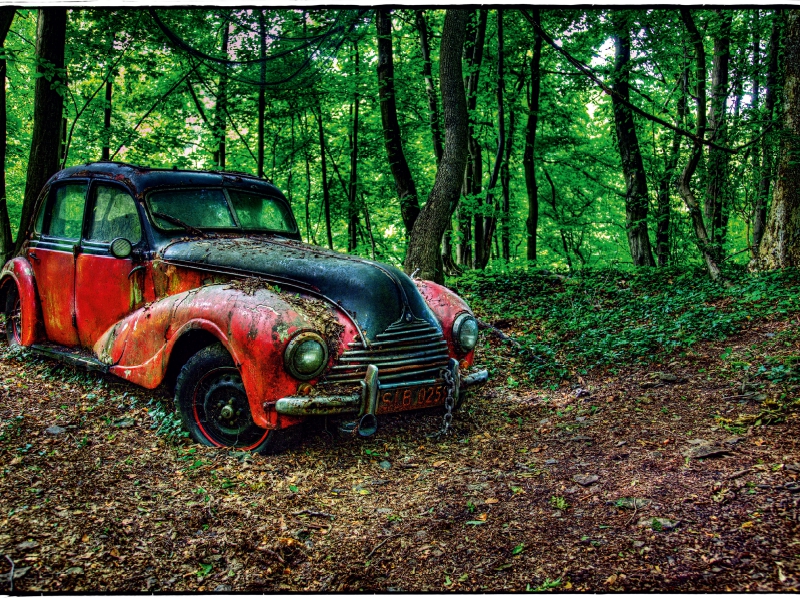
point(107, 287)
point(51, 252)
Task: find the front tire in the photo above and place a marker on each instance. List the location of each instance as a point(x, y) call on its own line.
point(13, 315)
point(214, 406)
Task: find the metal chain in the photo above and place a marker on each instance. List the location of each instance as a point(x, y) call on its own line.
point(449, 404)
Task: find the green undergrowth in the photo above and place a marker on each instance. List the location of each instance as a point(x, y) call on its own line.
point(570, 323)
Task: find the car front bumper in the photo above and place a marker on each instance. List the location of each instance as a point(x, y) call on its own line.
point(366, 402)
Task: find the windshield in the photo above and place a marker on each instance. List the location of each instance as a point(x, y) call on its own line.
point(174, 210)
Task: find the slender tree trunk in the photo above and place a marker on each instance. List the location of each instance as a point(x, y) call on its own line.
point(505, 182)
point(483, 235)
point(762, 197)
point(668, 178)
point(473, 178)
point(528, 164)
point(106, 152)
point(368, 224)
point(47, 110)
point(352, 207)
point(423, 248)
point(6, 243)
point(306, 138)
point(430, 88)
point(222, 103)
point(716, 204)
point(262, 100)
point(780, 246)
point(404, 182)
point(630, 154)
point(685, 180)
point(557, 218)
point(475, 149)
point(326, 194)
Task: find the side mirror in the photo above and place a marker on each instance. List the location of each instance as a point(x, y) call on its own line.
point(121, 248)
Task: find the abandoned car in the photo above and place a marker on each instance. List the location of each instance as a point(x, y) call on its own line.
point(200, 281)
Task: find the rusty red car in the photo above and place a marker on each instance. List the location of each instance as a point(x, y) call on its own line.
point(199, 280)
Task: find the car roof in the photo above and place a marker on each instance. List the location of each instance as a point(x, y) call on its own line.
point(141, 179)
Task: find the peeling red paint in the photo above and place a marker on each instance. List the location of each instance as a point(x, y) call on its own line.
point(19, 271)
point(446, 306)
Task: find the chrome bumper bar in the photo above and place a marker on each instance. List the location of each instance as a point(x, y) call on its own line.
point(364, 404)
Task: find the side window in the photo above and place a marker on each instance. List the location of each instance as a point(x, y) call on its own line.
point(66, 213)
point(114, 216)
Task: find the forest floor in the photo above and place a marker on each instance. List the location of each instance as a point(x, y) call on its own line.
point(679, 473)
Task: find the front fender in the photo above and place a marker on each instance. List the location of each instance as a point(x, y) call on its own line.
point(254, 328)
point(446, 305)
point(20, 272)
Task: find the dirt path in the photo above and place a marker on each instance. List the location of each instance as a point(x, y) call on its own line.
point(104, 503)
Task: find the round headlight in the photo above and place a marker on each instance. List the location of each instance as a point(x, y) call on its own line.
point(465, 332)
point(306, 355)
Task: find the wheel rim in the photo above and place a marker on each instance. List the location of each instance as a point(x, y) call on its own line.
point(15, 320)
point(222, 411)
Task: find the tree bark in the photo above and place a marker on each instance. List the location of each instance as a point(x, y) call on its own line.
point(404, 182)
point(780, 246)
point(222, 103)
point(475, 149)
point(262, 100)
point(528, 164)
point(716, 203)
point(483, 240)
point(630, 154)
point(668, 178)
point(48, 104)
point(352, 205)
point(473, 177)
point(505, 183)
point(430, 88)
point(6, 243)
point(423, 249)
point(762, 198)
point(685, 180)
point(326, 194)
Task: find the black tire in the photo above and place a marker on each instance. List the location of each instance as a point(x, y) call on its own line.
point(13, 316)
point(214, 406)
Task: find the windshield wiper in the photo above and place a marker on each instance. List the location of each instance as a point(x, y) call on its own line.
point(179, 223)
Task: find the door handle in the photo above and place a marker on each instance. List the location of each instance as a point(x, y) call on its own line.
point(134, 269)
point(33, 256)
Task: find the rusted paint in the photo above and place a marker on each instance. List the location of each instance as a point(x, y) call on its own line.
point(446, 306)
point(55, 279)
point(229, 315)
point(19, 271)
point(106, 291)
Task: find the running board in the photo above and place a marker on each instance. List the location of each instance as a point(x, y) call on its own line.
point(71, 358)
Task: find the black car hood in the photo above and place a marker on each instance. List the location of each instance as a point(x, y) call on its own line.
point(375, 294)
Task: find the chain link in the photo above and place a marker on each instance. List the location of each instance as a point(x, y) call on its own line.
point(449, 404)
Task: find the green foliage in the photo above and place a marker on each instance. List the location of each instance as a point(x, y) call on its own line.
point(599, 318)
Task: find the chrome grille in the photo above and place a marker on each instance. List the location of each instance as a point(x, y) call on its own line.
point(406, 353)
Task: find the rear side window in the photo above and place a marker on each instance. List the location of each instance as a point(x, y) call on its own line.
point(66, 213)
point(114, 216)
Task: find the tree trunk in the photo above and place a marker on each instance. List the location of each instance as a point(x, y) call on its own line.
point(505, 183)
point(528, 164)
point(685, 180)
point(668, 177)
point(352, 205)
point(326, 194)
point(47, 110)
point(222, 103)
point(6, 243)
point(430, 88)
point(716, 204)
point(262, 100)
point(473, 55)
point(423, 248)
point(475, 149)
point(780, 246)
point(631, 156)
point(483, 242)
point(762, 198)
point(556, 217)
point(406, 190)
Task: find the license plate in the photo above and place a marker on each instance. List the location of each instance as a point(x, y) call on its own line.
point(411, 398)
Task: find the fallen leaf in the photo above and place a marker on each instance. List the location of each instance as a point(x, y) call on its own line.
point(611, 580)
point(491, 501)
point(747, 524)
point(439, 463)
